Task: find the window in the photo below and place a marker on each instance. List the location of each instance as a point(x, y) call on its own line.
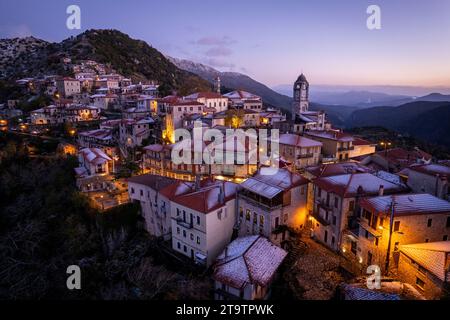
point(178, 212)
point(396, 226)
point(420, 283)
point(422, 270)
point(192, 237)
point(333, 240)
point(261, 220)
point(219, 214)
point(198, 220)
point(448, 222)
point(241, 212)
point(351, 206)
point(353, 247)
point(328, 199)
point(319, 192)
point(366, 234)
point(184, 233)
point(325, 237)
point(334, 220)
point(255, 218)
point(445, 238)
point(247, 215)
point(369, 258)
point(277, 222)
point(376, 242)
point(132, 190)
point(198, 240)
point(336, 202)
point(178, 245)
point(430, 221)
point(142, 192)
point(184, 249)
point(178, 230)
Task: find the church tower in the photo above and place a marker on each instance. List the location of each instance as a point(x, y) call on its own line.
point(301, 95)
point(217, 86)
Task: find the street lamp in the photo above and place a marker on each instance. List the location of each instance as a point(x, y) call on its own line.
point(385, 144)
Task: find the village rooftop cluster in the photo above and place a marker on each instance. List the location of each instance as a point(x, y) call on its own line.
point(388, 207)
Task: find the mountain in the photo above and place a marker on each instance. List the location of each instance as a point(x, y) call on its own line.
point(395, 90)
point(236, 81)
point(132, 58)
point(427, 120)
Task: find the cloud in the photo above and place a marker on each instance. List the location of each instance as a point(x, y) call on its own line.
point(219, 51)
point(215, 41)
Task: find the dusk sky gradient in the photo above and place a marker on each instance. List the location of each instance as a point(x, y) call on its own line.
point(272, 41)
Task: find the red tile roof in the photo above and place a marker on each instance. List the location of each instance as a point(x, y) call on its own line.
point(206, 199)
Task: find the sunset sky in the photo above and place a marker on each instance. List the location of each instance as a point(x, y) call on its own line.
point(272, 41)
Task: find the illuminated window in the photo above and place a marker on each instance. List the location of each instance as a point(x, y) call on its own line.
point(247, 215)
point(396, 226)
point(420, 283)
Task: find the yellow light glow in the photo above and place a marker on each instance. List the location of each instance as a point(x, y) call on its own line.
point(360, 260)
point(344, 250)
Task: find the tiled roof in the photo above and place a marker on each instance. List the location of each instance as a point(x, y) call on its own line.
point(269, 185)
point(408, 204)
point(206, 199)
point(404, 157)
point(153, 181)
point(94, 155)
point(248, 260)
point(349, 185)
point(335, 169)
point(298, 141)
point(432, 170)
point(433, 256)
point(331, 134)
point(362, 142)
point(206, 95)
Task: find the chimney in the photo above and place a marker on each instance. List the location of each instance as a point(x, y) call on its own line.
point(197, 182)
point(381, 191)
point(221, 196)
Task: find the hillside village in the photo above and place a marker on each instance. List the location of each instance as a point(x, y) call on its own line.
point(362, 203)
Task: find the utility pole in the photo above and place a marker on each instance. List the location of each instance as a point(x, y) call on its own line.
point(391, 222)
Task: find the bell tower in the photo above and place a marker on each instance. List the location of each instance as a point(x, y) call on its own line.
point(301, 96)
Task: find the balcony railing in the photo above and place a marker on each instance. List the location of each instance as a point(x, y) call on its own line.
point(305, 156)
point(256, 203)
point(184, 224)
point(346, 148)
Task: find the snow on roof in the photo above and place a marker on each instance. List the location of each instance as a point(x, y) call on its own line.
point(269, 185)
point(347, 185)
point(390, 177)
point(432, 169)
point(240, 94)
point(335, 169)
point(102, 134)
point(408, 204)
point(298, 141)
point(153, 181)
point(206, 95)
point(331, 134)
point(94, 155)
point(433, 256)
point(248, 260)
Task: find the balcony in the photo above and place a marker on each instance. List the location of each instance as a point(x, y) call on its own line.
point(363, 223)
point(305, 156)
point(316, 215)
point(264, 206)
point(346, 148)
point(184, 224)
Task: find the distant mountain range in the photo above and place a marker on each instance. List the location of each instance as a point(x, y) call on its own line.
point(234, 80)
point(425, 116)
point(427, 120)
